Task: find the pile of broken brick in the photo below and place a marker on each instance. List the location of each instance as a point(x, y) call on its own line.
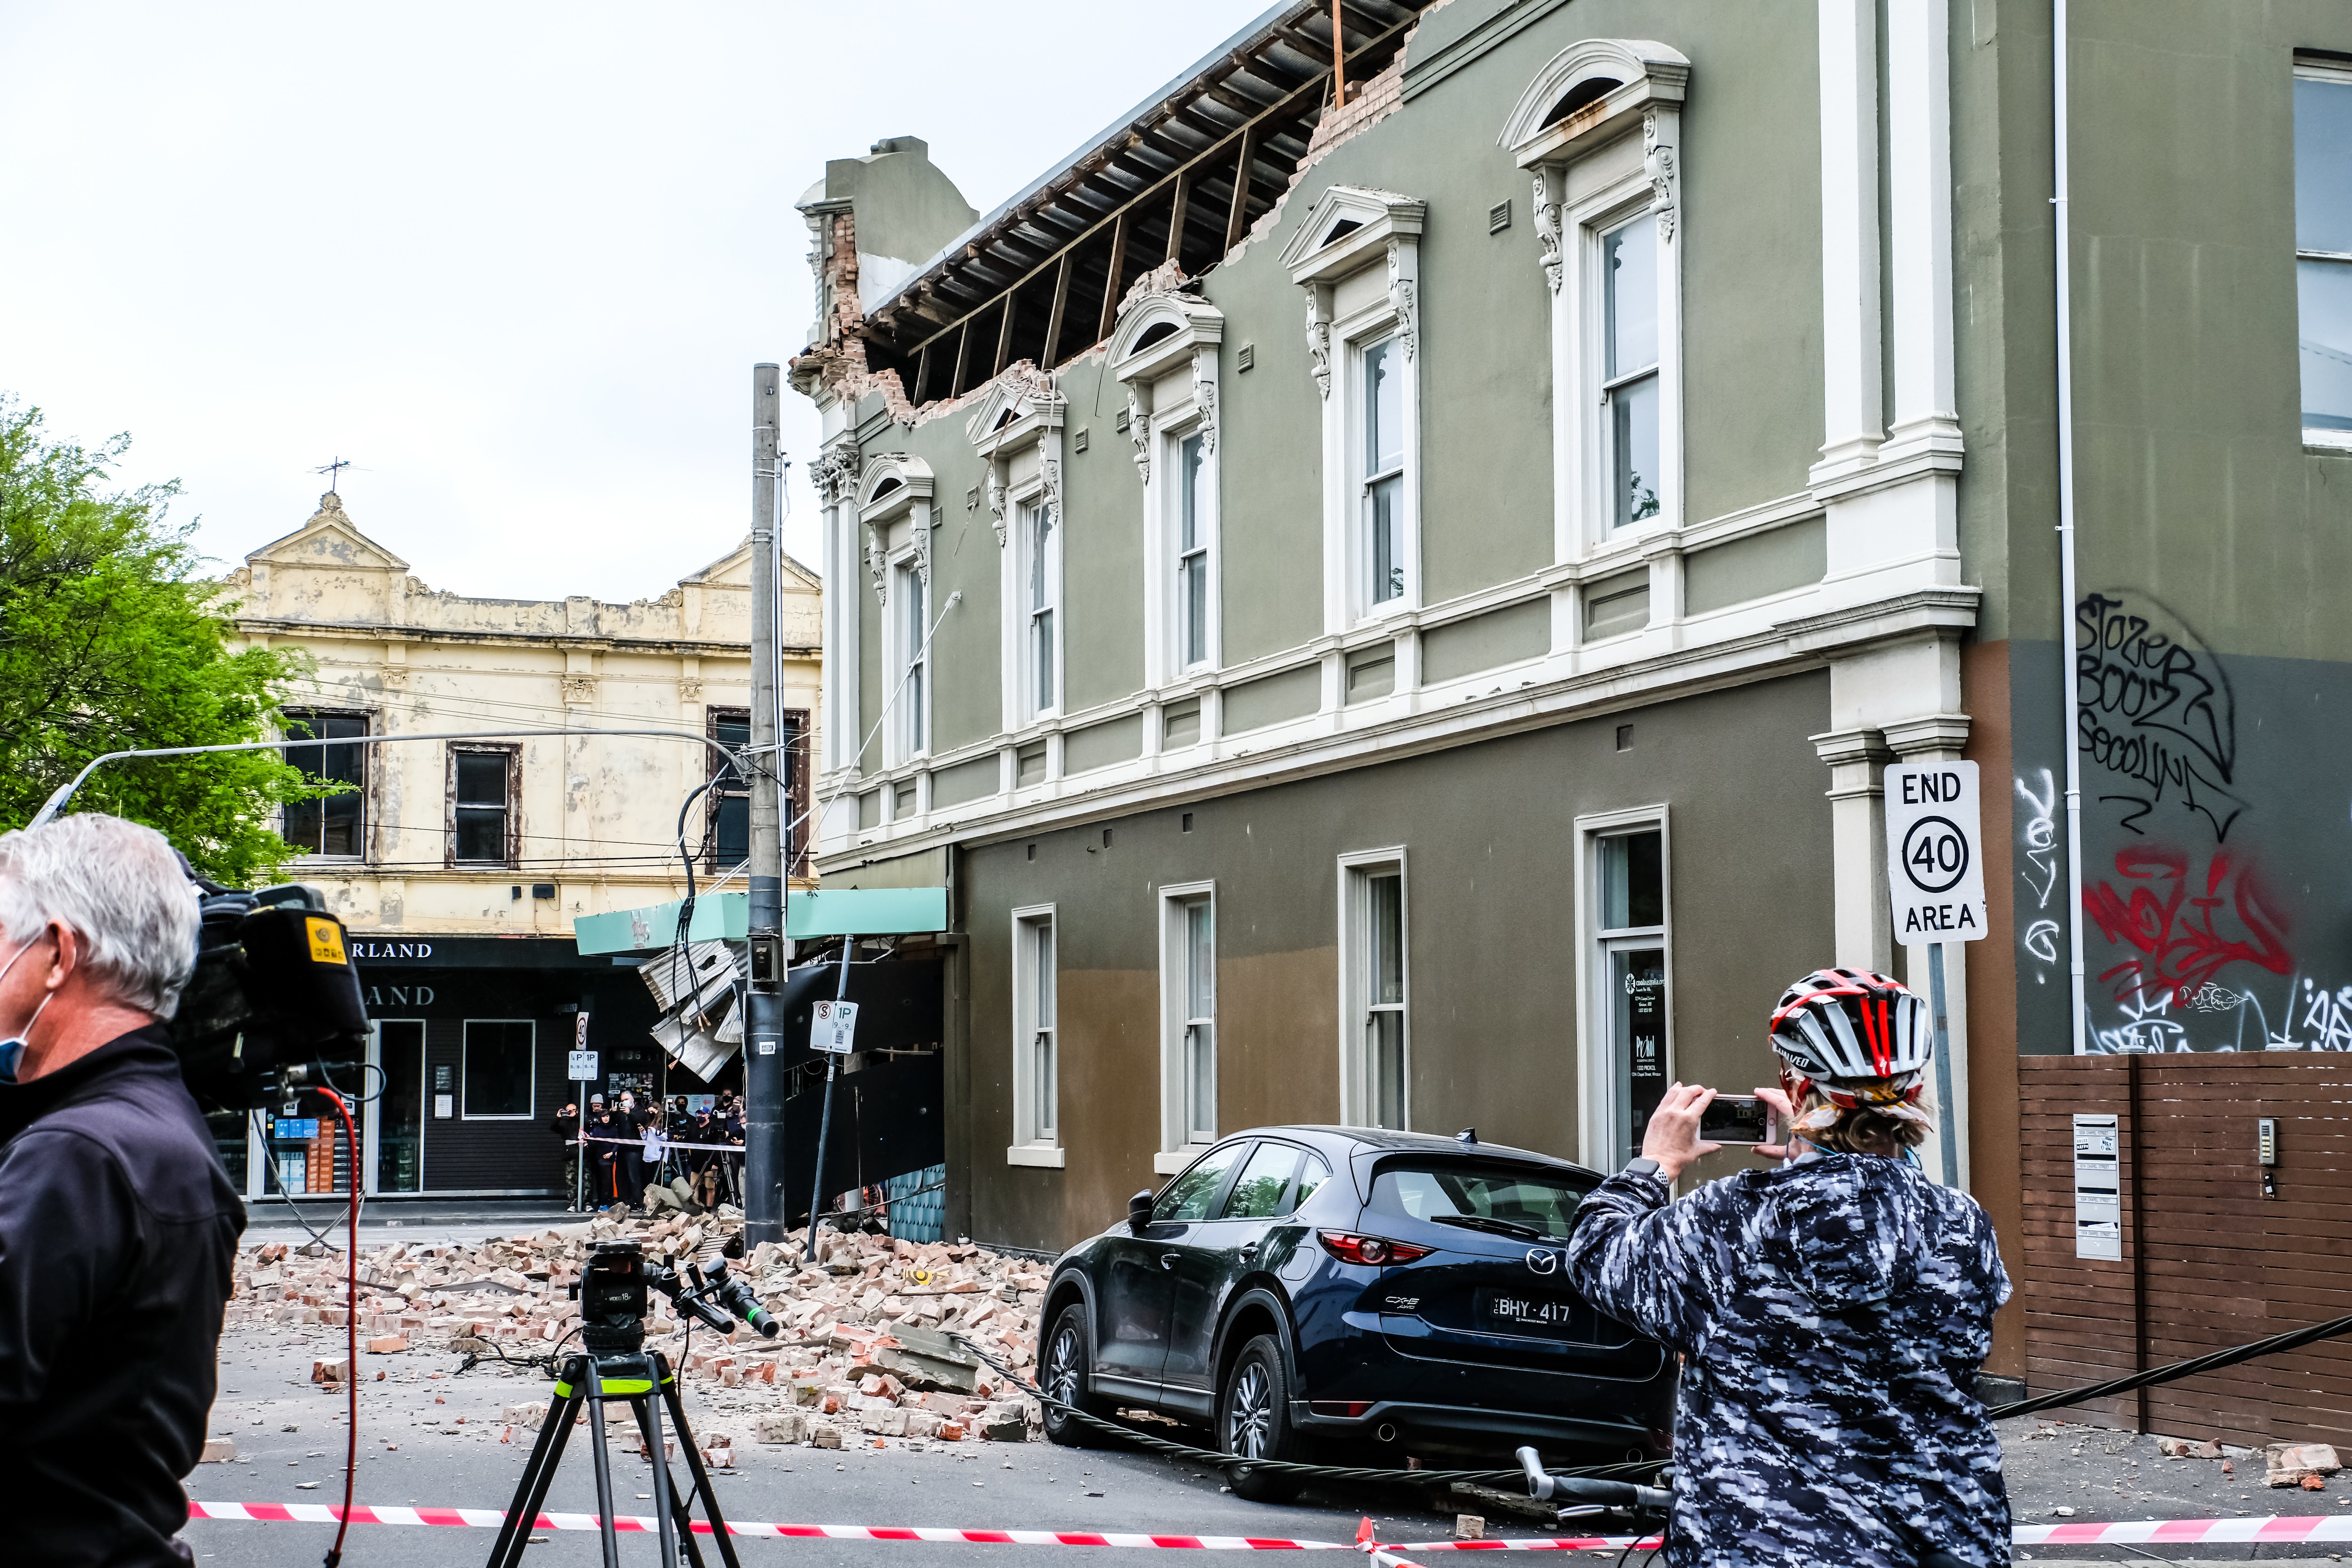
point(863, 1354)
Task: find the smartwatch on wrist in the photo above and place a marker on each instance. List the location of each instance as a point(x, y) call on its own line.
point(1644, 1166)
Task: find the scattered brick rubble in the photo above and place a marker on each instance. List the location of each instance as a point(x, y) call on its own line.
point(864, 1356)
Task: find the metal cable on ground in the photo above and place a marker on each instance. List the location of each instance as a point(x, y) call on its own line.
point(1291, 1468)
point(2295, 1338)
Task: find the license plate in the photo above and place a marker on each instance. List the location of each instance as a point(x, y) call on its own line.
point(1531, 1312)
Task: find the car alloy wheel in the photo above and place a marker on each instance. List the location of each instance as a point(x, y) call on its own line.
point(1251, 1412)
point(1063, 1370)
point(1066, 1363)
point(1254, 1422)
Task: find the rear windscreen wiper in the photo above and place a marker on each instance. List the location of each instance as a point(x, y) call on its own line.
point(1483, 1222)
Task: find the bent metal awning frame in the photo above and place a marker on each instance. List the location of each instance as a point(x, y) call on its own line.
point(727, 917)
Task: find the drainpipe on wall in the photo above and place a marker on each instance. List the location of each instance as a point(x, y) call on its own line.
point(2072, 697)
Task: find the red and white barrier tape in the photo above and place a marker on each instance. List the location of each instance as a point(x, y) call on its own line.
point(491, 1518)
point(2277, 1527)
point(2085, 1533)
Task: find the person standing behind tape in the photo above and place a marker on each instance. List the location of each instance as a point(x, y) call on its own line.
point(1832, 1312)
point(118, 1226)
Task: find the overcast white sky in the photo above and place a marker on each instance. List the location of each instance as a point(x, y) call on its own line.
point(514, 261)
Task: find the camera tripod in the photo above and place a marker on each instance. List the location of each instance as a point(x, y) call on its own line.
point(587, 1382)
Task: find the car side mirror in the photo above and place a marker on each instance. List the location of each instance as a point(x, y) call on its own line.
point(1139, 1212)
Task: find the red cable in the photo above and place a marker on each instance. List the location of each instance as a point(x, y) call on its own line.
point(351, 1330)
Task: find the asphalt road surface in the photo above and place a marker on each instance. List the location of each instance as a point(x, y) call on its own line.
point(432, 1437)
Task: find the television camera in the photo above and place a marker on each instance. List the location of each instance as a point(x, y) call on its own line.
point(613, 1293)
point(274, 999)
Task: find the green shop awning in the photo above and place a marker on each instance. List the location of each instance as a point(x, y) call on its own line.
point(727, 917)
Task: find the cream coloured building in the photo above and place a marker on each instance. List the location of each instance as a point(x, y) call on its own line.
point(459, 866)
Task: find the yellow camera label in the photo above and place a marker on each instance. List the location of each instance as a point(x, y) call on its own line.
point(325, 941)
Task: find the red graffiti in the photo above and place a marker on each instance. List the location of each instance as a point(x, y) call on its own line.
point(2179, 935)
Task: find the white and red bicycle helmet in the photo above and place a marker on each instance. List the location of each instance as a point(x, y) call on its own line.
point(1863, 1039)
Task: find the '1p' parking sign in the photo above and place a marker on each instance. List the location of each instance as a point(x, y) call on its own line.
point(1935, 861)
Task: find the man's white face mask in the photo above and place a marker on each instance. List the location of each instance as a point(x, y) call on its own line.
point(12, 1049)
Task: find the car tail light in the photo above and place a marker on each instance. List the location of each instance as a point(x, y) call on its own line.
point(1376, 1250)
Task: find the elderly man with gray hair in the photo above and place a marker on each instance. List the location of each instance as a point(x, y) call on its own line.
point(118, 1226)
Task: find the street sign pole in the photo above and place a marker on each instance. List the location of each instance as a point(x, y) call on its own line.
point(824, 1117)
point(584, 1070)
point(763, 1062)
point(1935, 884)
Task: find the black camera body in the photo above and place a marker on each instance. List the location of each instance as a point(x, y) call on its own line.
point(273, 994)
point(612, 1298)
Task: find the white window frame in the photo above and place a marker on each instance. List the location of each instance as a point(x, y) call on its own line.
point(1600, 1132)
point(464, 1072)
point(1171, 388)
point(1613, 161)
point(1033, 1144)
point(895, 512)
point(910, 728)
point(2312, 69)
point(1358, 1091)
point(1362, 285)
point(1017, 432)
point(1178, 1146)
point(1029, 512)
point(1175, 557)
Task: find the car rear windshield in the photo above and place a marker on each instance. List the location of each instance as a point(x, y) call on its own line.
point(1505, 1198)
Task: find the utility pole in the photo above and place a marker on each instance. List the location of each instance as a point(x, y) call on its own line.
point(763, 1063)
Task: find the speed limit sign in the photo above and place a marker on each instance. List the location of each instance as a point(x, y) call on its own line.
point(1935, 860)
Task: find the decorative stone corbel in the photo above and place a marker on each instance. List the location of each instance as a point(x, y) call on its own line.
point(1049, 476)
point(1548, 224)
point(1318, 339)
point(1658, 133)
point(875, 564)
point(920, 520)
point(996, 501)
point(1138, 430)
point(1402, 289)
point(1204, 396)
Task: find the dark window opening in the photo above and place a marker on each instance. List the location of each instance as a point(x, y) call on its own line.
point(481, 806)
point(1341, 230)
point(1583, 95)
point(335, 824)
point(1155, 333)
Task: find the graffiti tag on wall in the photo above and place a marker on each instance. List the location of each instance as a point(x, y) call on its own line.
point(2184, 924)
point(2157, 709)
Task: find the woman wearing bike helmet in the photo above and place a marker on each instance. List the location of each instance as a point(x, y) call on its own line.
point(1831, 1312)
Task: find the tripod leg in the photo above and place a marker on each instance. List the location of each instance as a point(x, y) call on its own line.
point(530, 1490)
point(649, 1414)
point(702, 1488)
point(603, 1468)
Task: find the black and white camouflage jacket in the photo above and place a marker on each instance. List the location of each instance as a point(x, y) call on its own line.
point(1831, 1315)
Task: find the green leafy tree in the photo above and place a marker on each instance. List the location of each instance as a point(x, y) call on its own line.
point(111, 640)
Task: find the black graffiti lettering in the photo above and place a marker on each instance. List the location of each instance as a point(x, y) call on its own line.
point(2156, 707)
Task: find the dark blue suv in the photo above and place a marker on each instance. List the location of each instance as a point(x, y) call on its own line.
point(1300, 1287)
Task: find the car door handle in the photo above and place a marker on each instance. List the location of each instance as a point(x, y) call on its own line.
point(1249, 1249)
point(1168, 1259)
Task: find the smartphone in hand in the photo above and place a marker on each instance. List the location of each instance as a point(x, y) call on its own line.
point(1738, 1118)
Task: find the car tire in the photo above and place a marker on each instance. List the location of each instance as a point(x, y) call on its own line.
point(1064, 1366)
point(1253, 1421)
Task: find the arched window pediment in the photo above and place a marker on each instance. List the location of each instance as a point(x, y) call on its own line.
point(892, 482)
point(1159, 330)
point(1568, 102)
